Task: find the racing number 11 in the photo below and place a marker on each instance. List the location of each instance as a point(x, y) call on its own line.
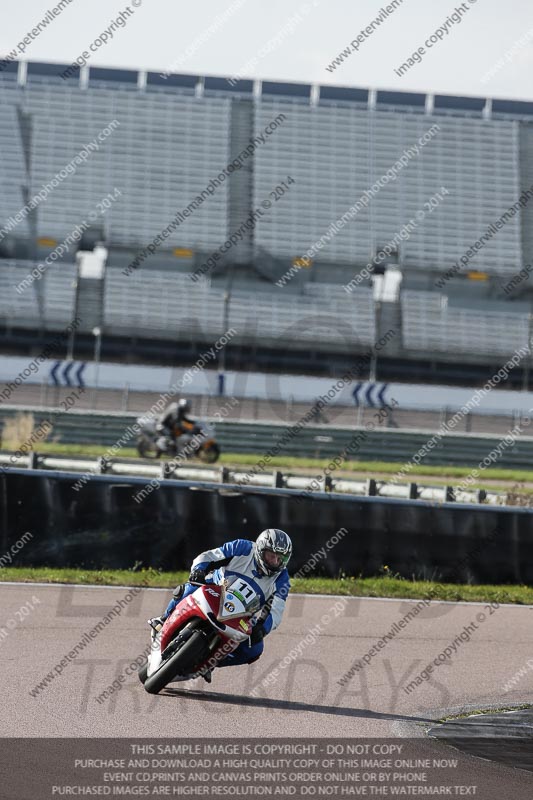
point(245, 590)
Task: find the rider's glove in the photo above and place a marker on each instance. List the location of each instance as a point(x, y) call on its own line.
point(257, 634)
point(197, 575)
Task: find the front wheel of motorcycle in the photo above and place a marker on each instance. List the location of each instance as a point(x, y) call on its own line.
point(209, 453)
point(194, 651)
point(146, 448)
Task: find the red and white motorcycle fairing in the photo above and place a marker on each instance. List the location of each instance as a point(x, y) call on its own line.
point(222, 614)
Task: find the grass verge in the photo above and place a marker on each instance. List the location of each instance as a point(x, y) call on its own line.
point(288, 462)
point(483, 712)
point(361, 587)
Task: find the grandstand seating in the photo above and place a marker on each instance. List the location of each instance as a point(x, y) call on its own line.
point(162, 305)
point(334, 155)
point(59, 284)
point(17, 309)
point(159, 304)
point(171, 142)
point(160, 157)
point(13, 173)
point(430, 324)
point(174, 137)
point(45, 304)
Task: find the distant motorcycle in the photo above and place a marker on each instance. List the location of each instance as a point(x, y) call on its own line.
point(201, 631)
point(201, 444)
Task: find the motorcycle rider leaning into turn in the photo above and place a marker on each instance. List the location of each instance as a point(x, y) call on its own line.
point(264, 564)
point(174, 422)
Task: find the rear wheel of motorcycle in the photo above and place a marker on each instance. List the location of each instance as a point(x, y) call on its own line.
point(209, 454)
point(193, 652)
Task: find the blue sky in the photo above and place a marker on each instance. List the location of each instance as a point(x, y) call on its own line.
point(490, 52)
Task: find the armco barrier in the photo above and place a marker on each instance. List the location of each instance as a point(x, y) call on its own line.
point(282, 479)
point(102, 526)
point(312, 441)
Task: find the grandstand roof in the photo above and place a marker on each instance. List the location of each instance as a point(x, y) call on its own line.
point(308, 93)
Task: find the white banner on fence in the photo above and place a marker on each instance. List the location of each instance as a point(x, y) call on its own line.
point(295, 388)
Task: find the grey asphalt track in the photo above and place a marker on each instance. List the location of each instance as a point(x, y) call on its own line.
point(304, 698)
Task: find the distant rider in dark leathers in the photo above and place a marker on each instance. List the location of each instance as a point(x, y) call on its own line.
point(175, 422)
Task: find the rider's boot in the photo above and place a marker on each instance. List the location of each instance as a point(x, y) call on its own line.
point(157, 622)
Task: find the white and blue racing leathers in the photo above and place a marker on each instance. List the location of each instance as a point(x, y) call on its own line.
point(237, 558)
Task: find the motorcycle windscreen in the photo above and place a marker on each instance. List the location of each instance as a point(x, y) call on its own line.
point(240, 598)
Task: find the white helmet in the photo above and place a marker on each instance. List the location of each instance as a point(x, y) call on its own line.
point(272, 551)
